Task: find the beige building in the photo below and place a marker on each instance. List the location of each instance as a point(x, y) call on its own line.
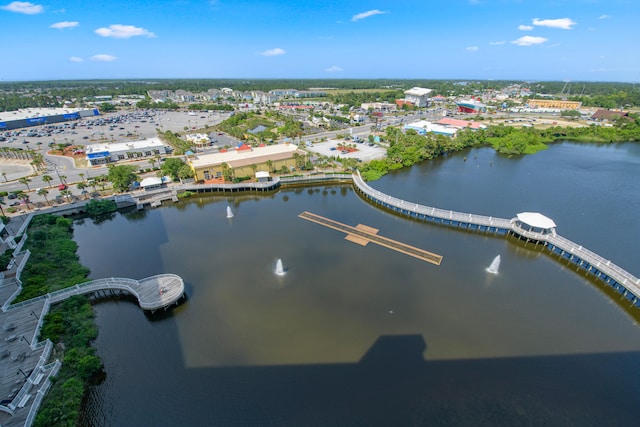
point(554, 103)
point(244, 161)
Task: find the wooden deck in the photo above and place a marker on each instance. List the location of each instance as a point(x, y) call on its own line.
point(152, 293)
point(363, 234)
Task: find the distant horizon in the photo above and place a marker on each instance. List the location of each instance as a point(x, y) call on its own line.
point(547, 40)
point(403, 79)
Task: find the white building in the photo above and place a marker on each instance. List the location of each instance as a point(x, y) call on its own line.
point(418, 96)
point(98, 154)
point(423, 127)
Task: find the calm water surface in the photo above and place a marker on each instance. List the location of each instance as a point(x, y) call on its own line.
point(357, 335)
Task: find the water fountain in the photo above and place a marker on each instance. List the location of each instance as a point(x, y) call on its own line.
point(495, 265)
point(229, 212)
point(279, 268)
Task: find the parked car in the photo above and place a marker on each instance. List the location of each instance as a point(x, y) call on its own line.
point(62, 187)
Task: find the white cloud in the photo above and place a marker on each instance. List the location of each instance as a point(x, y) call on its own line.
point(333, 69)
point(498, 43)
point(529, 41)
point(120, 31)
point(24, 7)
point(525, 27)
point(273, 52)
point(562, 23)
point(103, 58)
point(76, 59)
point(604, 17)
point(367, 14)
point(472, 48)
point(64, 24)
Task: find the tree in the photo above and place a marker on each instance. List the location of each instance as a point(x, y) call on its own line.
point(122, 177)
point(43, 192)
point(81, 186)
point(4, 175)
point(171, 166)
point(185, 172)
point(24, 180)
point(24, 197)
point(67, 194)
point(47, 179)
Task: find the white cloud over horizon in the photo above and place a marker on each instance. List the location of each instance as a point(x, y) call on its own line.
point(119, 31)
point(472, 48)
point(76, 59)
point(562, 23)
point(529, 41)
point(333, 69)
point(605, 16)
point(525, 27)
point(103, 57)
point(498, 43)
point(23, 7)
point(64, 24)
point(273, 52)
point(362, 15)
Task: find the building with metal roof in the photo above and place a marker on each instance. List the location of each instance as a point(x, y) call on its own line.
point(27, 117)
point(98, 154)
point(244, 162)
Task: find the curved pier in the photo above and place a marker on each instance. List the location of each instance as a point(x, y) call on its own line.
point(152, 293)
point(614, 276)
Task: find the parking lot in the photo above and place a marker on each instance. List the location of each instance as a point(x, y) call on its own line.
point(365, 152)
point(108, 128)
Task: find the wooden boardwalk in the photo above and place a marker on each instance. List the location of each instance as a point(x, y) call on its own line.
point(363, 234)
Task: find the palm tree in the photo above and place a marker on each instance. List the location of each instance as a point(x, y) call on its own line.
point(24, 180)
point(92, 183)
point(67, 194)
point(43, 192)
point(4, 175)
point(47, 179)
point(25, 198)
point(81, 176)
point(81, 186)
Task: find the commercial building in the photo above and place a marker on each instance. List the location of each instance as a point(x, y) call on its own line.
point(417, 96)
point(42, 116)
point(554, 103)
point(244, 161)
point(99, 154)
point(422, 127)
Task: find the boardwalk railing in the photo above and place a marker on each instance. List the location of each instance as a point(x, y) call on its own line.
point(446, 215)
point(131, 286)
point(613, 275)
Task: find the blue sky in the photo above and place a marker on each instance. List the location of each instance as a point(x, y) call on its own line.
point(593, 40)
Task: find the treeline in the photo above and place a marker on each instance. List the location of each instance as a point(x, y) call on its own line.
point(355, 99)
point(54, 265)
point(15, 95)
point(211, 107)
point(526, 140)
point(407, 149)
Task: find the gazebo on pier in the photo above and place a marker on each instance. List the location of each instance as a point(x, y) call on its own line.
point(534, 222)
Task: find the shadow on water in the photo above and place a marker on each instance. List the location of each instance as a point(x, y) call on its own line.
point(392, 384)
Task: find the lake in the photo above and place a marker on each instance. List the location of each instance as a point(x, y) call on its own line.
point(355, 335)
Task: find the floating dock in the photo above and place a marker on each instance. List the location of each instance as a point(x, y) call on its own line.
point(363, 234)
